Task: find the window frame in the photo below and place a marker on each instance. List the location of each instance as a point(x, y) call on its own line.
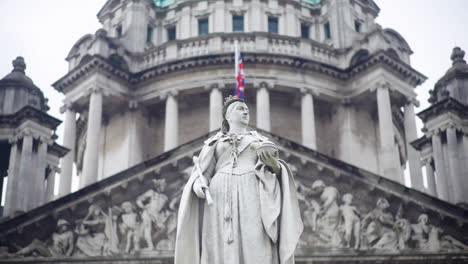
point(203, 19)
point(276, 20)
point(233, 24)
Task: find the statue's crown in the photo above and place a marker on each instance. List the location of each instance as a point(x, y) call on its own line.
point(230, 99)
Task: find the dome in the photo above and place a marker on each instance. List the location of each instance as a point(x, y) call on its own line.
point(18, 90)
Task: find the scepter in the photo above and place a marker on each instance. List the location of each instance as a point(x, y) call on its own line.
point(209, 199)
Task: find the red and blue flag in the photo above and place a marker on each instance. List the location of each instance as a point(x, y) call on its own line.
point(240, 77)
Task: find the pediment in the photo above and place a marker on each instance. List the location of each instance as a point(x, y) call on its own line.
point(357, 231)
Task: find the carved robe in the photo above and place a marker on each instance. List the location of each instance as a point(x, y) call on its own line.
point(264, 219)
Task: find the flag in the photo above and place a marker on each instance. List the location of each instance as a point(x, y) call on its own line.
point(240, 77)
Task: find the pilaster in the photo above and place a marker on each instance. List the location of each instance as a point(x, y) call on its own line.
point(263, 107)
point(12, 192)
point(308, 119)
point(413, 154)
point(441, 174)
point(69, 140)
point(388, 164)
point(216, 107)
point(90, 166)
point(171, 128)
point(431, 183)
point(455, 175)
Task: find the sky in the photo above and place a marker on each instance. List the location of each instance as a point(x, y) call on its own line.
point(43, 32)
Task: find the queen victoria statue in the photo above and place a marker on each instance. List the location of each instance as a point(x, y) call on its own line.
point(239, 206)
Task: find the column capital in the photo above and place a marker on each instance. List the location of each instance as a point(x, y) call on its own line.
point(304, 90)
point(412, 101)
point(212, 86)
point(381, 85)
point(133, 105)
point(166, 94)
point(267, 84)
point(347, 101)
point(95, 89)
point(427, 161)
point(68, 106)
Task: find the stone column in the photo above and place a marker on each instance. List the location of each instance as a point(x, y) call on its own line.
point(465, 162)
point(455, 175)
point(387, 138)
point(49, 193)
point(216, 108)
point(90, 166)
point(40, 175)
point(69, 140)
point(12, 192)
point(26, 176)
point(431, 184)
point(308, 121)
point(413, 155)
point(263, 108)
point(171, 130)
point(441, 174)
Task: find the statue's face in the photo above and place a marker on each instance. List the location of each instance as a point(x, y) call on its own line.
point(239, 115)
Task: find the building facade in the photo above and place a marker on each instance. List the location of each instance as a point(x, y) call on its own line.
point(333, 88)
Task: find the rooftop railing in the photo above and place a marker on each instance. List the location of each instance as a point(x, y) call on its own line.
point(222, 43)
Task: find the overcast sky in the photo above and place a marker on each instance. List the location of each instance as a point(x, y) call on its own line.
point(43, 32)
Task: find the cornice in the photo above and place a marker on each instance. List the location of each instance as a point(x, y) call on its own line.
point(405, 71)
point(446, 105)
point(29, 113)
point(132, 80)
point(95, 64)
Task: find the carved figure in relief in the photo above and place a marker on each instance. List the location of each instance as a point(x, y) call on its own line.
point(329, 215)
point(61, 243)
point(97, 233)
point(312, 206)
point(130, 227)
point(351, 221)
point(153, 203)
point(403, 231)
point(378, 225)
point(255, 216)
point(420, 232)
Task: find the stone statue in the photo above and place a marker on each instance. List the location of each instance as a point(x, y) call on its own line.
point(153, 203)
point(255, 215)
point(329, 215)
point(97, 233)
point(130, 227)
point(351, 221)
point(378, 225)
point(60, 245)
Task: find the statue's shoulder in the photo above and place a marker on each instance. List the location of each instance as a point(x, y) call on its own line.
point(211, 140)
point(259, 136)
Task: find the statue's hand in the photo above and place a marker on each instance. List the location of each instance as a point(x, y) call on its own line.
point(270, 160)
point(199, 187)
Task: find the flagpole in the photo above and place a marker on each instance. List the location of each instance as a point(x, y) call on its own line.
point(236, 64)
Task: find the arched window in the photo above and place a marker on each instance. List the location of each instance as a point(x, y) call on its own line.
point(359, 57)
